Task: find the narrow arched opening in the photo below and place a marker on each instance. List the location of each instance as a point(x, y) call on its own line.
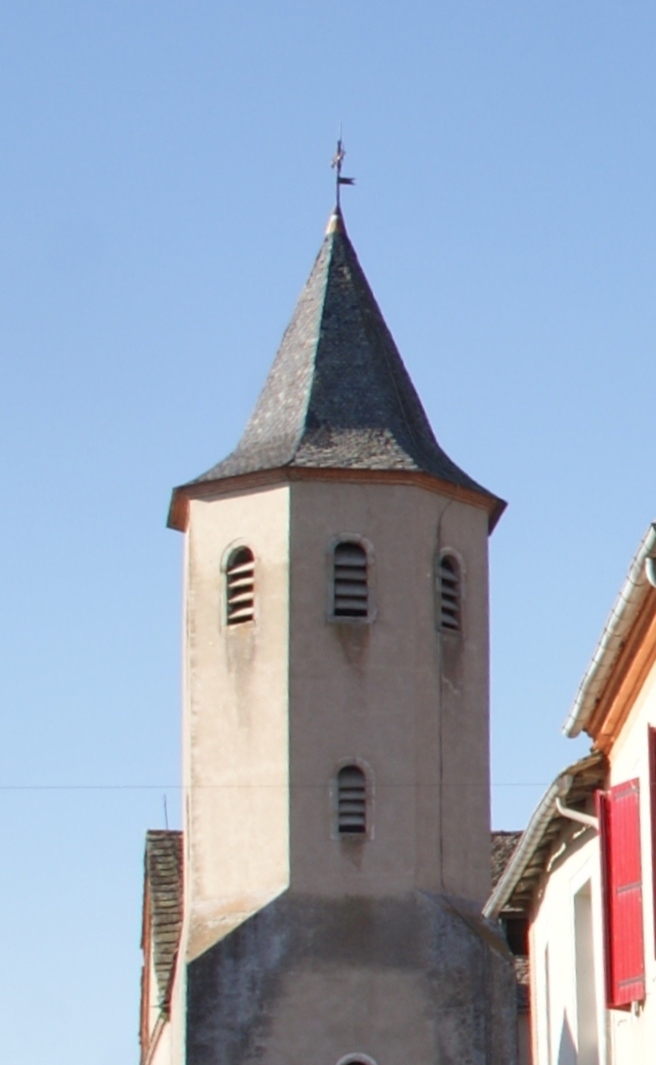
point(240, 586)
point(350, 580)
point(449, 594)
point(351, 801)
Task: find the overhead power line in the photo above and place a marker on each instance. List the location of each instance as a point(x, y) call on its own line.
point(198, 787)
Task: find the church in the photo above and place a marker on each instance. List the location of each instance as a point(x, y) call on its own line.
point(323, 901)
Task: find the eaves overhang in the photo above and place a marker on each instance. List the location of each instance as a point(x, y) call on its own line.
point(576, 785)
point(178, 514)
point(621, 620)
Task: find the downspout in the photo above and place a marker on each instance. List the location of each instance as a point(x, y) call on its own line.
point(576, 815)
point(565, 782)
point(527, 844)
point(535, 831)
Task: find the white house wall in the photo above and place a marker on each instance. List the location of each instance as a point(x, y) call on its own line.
point(634, 1036)
point(629, 1034)
point(553, 955)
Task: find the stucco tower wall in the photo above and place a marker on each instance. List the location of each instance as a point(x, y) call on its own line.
point(235, 760)
point(408, 701)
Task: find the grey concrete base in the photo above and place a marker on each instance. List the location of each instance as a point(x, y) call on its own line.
point(421, 980)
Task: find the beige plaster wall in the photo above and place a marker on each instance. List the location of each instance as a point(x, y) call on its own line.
point(292, 696)
point(407, 702)
point(337, 1010)
point(404, 978)
point(235, 717)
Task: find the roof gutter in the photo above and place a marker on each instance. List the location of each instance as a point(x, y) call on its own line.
point(533, 834)
point(641, 576)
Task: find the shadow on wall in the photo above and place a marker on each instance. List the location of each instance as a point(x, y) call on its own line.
point(566, 1049)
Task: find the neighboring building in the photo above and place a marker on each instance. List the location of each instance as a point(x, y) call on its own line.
point(335, 730)
point(515, 928)
point(160, 938)
point(583, 873)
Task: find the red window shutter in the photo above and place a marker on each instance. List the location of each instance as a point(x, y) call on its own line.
point(619, 825)
point(652, 798)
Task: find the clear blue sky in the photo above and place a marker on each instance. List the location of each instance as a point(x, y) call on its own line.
point(164, 187)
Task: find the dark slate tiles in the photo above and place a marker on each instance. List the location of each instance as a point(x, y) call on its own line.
point(338, 394)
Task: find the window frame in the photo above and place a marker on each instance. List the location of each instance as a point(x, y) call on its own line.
point(372, 612)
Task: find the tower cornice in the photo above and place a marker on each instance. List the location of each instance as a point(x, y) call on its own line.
point(178, 515)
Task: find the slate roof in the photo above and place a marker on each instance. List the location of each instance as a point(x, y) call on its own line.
point(338, 395)
point(163, 874)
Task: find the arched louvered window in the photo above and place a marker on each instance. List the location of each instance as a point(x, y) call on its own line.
point(350, 580)
point(351, 801)
point(449, 594)
point(240, 587)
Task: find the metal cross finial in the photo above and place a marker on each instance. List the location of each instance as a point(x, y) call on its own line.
point(336, 164)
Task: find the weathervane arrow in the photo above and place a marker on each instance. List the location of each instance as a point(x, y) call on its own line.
point(336, 164)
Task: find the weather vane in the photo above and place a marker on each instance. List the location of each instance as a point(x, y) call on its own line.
point(336, 164)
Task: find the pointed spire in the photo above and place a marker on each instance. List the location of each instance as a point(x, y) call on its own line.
point(338, 395)
point(335, 222)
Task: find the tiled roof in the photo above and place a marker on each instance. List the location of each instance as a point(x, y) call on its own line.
point(503, 845)
point(163, 871)
point(338, 395)
point(519, 879)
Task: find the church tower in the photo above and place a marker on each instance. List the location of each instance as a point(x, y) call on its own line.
point(336, 833)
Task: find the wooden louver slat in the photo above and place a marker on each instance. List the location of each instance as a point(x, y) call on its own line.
point(351, 801)
point(240, 587)
point(350, 584)
point(449, 594)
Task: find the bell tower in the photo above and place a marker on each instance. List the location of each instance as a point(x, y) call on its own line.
point(336, 776)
